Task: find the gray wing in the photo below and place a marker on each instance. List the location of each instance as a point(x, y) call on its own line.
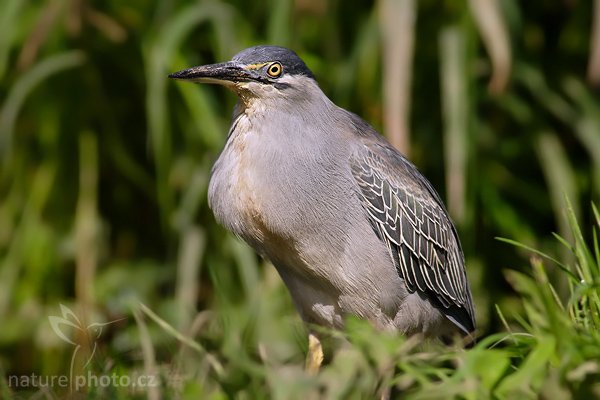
point(409, 217)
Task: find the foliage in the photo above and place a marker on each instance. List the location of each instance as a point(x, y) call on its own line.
point(104, 167)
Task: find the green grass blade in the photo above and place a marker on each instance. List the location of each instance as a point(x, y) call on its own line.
point(218, 368)
point(25, 85)
point(542, 254)
point(9, 21)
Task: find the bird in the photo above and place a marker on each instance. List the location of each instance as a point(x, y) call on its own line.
point(350, 224)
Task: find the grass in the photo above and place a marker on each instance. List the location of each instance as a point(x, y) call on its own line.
point(550, 350)
point(104, 167)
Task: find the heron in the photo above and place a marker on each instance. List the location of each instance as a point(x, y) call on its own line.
point(350, 224)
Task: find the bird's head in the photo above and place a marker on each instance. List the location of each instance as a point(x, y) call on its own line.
point(260, 72)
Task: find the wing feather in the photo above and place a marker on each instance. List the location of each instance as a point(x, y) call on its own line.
point(408, 216)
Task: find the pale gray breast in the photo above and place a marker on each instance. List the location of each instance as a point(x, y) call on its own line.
point(272, 186)
point(232, 195)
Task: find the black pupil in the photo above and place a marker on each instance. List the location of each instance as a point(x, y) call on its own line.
point(274, 69)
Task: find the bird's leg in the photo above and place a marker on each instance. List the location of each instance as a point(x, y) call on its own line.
point(314, 357)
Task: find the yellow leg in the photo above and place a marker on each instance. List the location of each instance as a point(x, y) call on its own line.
point(314, 358)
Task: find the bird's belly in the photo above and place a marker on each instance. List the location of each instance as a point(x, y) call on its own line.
point(327, 275)
point(324, 248)
point(332, 268)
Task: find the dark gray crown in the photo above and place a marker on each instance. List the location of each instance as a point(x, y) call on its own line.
point(292, 64)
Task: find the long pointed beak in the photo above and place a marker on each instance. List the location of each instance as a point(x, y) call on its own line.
point(222, 73)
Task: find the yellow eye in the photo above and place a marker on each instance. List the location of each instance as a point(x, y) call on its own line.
point(275, 70)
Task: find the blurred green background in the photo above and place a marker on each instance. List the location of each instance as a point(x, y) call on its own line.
point(104, 166)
